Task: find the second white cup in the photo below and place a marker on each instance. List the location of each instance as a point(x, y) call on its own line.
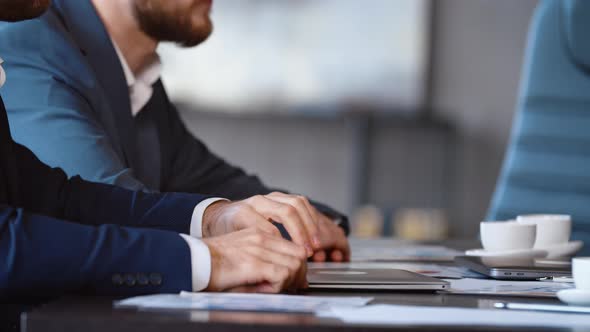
point(552, 229)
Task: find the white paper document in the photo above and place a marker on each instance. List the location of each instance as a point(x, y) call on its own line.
point(507, 287)
point(412, 315)
point(241, 302)
point(428, 269)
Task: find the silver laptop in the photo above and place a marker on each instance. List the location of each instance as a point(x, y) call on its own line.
point(372, 279)
point(511, 268)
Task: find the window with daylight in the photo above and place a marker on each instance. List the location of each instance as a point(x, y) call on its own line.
point(269, 55)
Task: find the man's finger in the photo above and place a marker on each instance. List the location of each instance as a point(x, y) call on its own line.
point(255, 272)
point(342, 243)
point(266, 288)
point(317, 216)
point(306, 212)
point(243, 289)
point(336, 256)
point(280, 246)
point(319, 256)
point(293, 263)
point(333, 238)
point(286, 215)
point(278, 251)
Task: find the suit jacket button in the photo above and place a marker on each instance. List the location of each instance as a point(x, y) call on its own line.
point(130, 280)
point(155, 279)
point(142, 279)
point(117, 279)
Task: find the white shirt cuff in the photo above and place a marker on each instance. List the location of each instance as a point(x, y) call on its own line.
point(196, 228)
point(200, 262)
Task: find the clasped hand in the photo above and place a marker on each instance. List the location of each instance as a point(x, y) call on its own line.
point(248, 252)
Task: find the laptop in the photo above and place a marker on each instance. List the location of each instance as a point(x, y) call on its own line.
point(510, 268)
point(372, 279)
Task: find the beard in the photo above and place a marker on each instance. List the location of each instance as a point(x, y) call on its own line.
point(165, 20)
point(18, 10)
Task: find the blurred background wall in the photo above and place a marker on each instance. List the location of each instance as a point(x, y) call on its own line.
point(478, 54)
point(447, 158)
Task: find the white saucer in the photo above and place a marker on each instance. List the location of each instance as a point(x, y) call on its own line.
point(574, 296)
point(553, 261)
point(563, 250)
point(520, 253)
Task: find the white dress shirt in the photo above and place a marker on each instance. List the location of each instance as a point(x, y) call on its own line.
point(140, 92)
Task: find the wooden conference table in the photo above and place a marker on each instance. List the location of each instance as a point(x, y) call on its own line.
point(97, 314)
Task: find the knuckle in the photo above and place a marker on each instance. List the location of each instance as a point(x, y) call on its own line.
point(315, 233)
point(289, 211)
point(302, 199)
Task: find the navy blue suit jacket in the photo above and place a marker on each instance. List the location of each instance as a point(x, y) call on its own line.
point(68, 101)
point(60, 235)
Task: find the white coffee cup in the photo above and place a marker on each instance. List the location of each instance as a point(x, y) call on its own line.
point(581, 272)
point(507, 235)
point(552, 229)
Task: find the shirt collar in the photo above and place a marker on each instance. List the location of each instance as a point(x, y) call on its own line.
point(140, 86)
point(129, 77)
point(149, 75)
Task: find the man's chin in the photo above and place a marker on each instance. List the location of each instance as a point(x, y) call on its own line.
point(196, 40)
point(20, 10)
point(197, 36)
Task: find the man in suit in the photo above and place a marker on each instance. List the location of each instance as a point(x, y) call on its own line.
point(60, 235)
point(86, 96)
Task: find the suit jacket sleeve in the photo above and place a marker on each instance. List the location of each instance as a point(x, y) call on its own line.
point(45, 257)
point(48, 191)
point(58, 124)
